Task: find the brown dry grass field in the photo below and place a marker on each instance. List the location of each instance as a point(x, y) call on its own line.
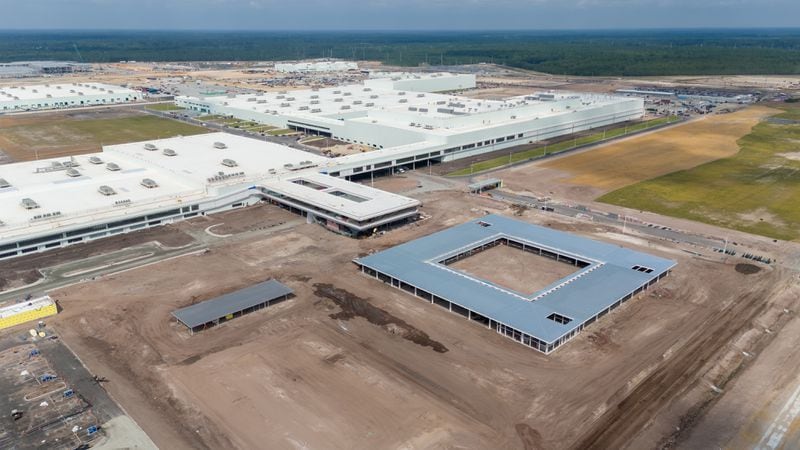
point(653, 154)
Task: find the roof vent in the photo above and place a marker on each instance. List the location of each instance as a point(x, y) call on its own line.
point(28, 203)
point(4, 184)
point(220, 145)
point(150, 147)
point(229, 163)
point(95, 160)
point(73, 173)
point(149, 183)
point(106, 190)
point(169, 152)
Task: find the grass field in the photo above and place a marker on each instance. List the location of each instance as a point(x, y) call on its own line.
point(756, 190)
point(640, 158)
point(30, 137)
point(538, 150)
point(164, 107)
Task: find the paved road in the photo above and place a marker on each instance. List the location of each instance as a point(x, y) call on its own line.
point(613, 219)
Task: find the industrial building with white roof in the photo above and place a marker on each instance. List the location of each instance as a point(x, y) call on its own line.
point(52, 203)
point(406, 121)
point(69, 95)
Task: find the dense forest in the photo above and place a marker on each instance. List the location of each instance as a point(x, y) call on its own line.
point(601, 53)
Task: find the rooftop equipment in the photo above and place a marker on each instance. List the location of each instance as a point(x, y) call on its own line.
point(95, 160)
point(112, 167)
point(150, 147)
point(220, 145)
point(28, 203)
point(169, 152)
point(4, 184)
point(106, 190)
point(149, 183)
point(73, 173)
point(229, 163)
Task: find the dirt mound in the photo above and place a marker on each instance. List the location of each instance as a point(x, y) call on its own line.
point(531, 439)
point(354, 306)
point(747, 269)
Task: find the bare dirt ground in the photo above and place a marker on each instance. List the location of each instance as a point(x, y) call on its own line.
point(515, 269)
point(352, 363)
point(25, 270)
point(588, 174)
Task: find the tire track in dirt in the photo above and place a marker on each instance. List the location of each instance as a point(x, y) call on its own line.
point(632, 413)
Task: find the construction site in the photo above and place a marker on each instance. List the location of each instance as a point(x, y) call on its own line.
point(512, 309)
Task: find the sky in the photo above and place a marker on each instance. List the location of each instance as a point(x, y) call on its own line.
point(396, 14)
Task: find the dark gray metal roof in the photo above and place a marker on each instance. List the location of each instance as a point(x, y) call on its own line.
point(580, 296)
point(210, 310)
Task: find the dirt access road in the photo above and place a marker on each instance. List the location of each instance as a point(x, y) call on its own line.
point(383, 369)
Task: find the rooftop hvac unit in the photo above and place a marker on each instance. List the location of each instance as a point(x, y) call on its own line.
point(357, 102)
point(315, 102)
point(316, 110)
point(423, 110)
point(150, 147)
point(315, 96)
point(288, 166)
point(112, 167)
point(285, 105)
point(261, 102)
point(280, 96)
point(95, 160)
point(401, 93)
point(338, 99)
point(347, 93)
point(251, 99)
point(303, 108)
point(513, 117)
point(369, 104)
point(169, 152)
point(289, 99)
point(4, 184)
point(420, 95)
point(220, 145)
point(106, 190)
point(345, 107)
point(403, 100)
point(373, 96)
point(337, 92)
point(28, 203)
point(229, 163)
point(367, 89)
point(149, 183)
point(72, 173)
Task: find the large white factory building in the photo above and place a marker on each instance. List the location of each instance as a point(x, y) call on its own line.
point(71, 95)
point(405, 120)
point(53, 203)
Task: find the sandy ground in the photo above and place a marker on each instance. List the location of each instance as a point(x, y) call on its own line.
point(304, 374)
point(586, 175)
point(512, 268)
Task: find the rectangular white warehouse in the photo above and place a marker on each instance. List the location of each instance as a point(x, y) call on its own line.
point(53, 203)
point(406, 121)
point(71, 95)
point(316, 66)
